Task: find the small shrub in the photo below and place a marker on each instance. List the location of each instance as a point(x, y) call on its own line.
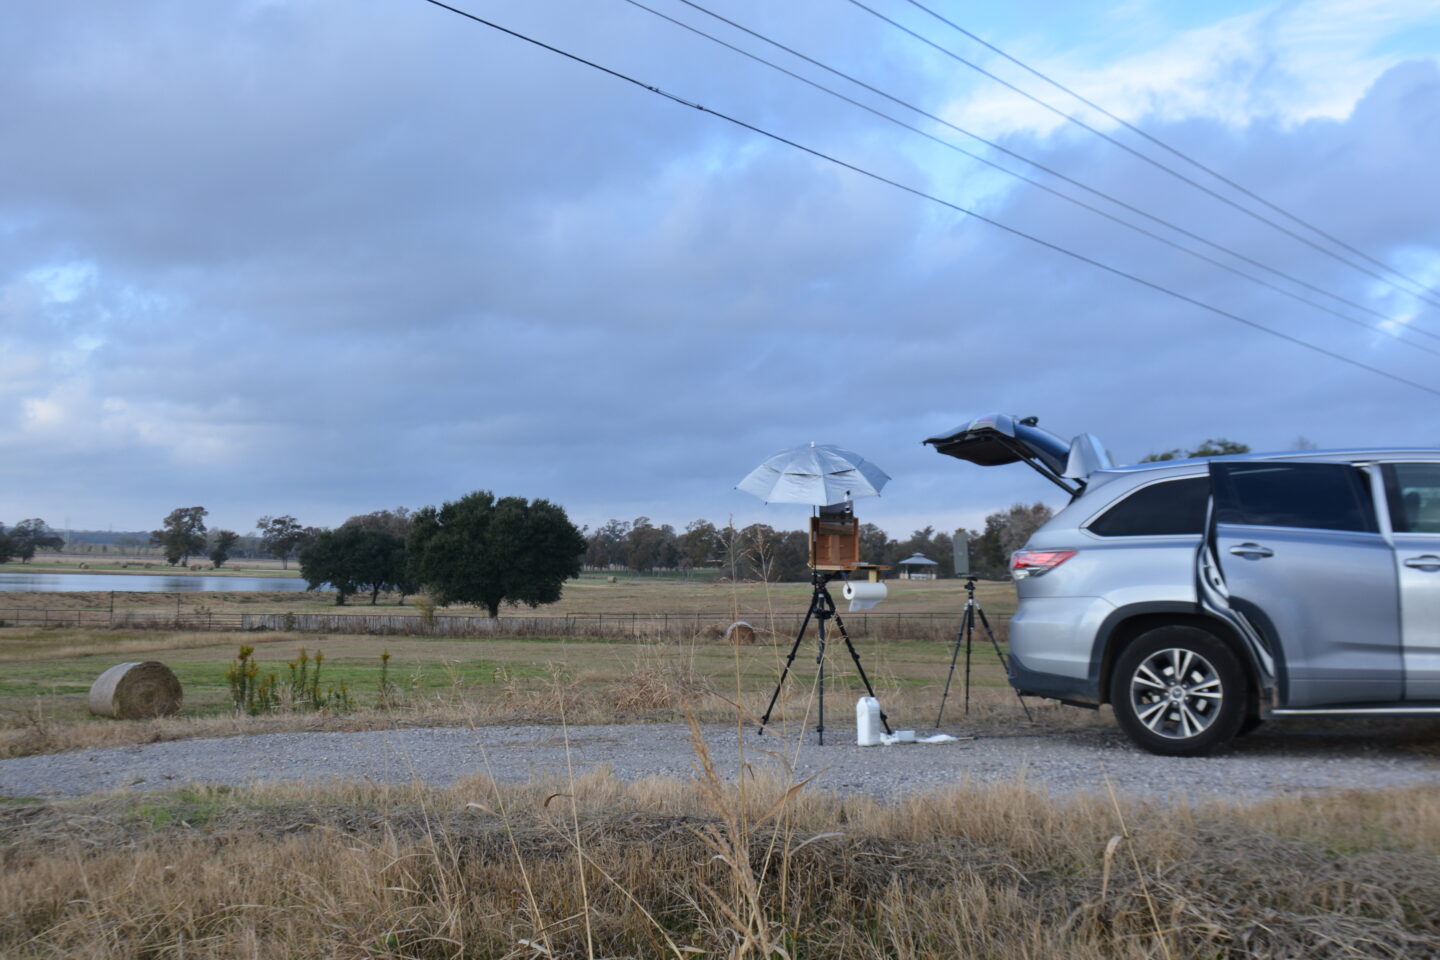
point(389, 692)
point(249, 692)
point(254, 694)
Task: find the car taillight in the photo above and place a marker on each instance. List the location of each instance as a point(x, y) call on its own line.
point(1032, 563)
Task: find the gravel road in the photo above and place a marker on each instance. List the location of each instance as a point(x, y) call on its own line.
point(1284, 761)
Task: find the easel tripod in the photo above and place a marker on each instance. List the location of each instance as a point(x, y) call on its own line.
point(822, 609)
point(966, 636)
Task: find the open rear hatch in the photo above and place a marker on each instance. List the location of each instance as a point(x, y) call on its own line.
point(999, 438)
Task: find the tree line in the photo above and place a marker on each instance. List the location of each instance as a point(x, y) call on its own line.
point(755, 552)
point(491, 551)
point(480, 549)
point(761, 552)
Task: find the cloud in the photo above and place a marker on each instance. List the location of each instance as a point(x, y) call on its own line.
point(285, 259)
point(1290, 62)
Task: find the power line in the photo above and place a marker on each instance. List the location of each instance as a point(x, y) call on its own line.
point(1143, 157)
point(1172, 150)
point(1040, 166)
point(915, 191)
point(1387, 331)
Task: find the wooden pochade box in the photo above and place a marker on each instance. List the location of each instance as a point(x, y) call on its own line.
point(834, 543)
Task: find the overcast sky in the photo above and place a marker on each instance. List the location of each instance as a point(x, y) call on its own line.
point(321, 257)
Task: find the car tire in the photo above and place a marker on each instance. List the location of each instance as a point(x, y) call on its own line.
point(1179, 691)
point(1249, 725)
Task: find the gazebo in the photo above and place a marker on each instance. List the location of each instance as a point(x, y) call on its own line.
point(919, 567)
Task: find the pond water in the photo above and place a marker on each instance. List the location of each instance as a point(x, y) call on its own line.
point(140, 583)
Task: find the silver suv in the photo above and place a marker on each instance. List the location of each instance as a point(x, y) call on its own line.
point(1199, 597)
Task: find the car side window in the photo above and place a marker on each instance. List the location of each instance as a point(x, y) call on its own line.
point(1169, 507)
point(1413, 490)
point(1316, 496)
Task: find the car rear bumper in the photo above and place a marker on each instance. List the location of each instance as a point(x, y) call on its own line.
point(1051, 642)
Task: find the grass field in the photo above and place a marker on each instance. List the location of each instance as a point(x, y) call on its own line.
point(46, 673)
point(591, 593)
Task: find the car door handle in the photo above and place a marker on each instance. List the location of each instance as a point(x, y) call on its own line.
point(1255, 550)
point(1427, 562)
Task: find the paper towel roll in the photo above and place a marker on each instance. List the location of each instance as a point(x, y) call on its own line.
point(863, 596)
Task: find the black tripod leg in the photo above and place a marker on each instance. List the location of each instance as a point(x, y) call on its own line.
point(855, 656)
point(954, 657)
point(820, 676)
point(969, 647)
point(1004, 662)
point(794, 648)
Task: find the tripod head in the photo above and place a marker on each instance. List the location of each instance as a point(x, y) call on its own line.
point(970, 579)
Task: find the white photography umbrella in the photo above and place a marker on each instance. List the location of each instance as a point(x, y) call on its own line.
point(816, 474)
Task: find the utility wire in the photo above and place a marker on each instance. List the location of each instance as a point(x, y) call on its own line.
point(1364, 308)
point(1143, 157)
point(915, 191)
point(1387, 331)
point(1170, 149)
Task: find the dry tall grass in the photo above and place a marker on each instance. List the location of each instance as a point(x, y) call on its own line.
point(592, 867)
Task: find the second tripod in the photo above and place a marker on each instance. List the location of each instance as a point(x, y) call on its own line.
point(966, 637)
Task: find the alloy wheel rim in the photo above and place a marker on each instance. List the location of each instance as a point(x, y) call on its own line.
point(1176, 693)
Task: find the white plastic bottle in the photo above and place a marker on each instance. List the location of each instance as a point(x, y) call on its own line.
point(867, 722)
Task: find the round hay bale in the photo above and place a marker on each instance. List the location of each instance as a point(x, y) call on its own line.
point(136, 691)
point(740, 632)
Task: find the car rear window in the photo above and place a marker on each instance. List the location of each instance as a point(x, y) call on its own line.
point(1171, 507)
point(1316, 496)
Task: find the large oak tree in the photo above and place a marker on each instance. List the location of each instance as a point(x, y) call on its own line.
point(486, 551)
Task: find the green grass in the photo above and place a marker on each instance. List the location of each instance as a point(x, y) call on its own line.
point(207, 690)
